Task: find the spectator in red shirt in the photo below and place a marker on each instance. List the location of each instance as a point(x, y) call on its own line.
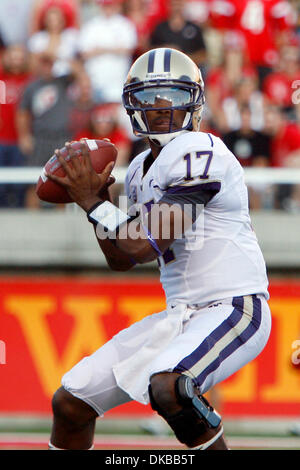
point(55, 38)
point(261, 22)
point(157, 10)
point(285, 152)
point(285, 138)
point(15, 76)
point(277, 86)
point(138, 11)
point(222, 81)
point(70, 9)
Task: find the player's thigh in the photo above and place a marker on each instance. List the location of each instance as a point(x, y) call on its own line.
point(92, 380)
point(218, 341)
point(232, 344)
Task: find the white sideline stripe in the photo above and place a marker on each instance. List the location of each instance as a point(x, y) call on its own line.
point(153, 441)
point(30, 175)
point(265, 442)
point(110, 440)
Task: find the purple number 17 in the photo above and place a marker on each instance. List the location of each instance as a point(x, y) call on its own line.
point(202, 153)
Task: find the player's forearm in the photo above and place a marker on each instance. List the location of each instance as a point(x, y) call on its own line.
point(116, 259)
point(123, 252)
point(140, 240)
point(138, 249)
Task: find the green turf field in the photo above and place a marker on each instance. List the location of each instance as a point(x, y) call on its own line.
point(150, 434)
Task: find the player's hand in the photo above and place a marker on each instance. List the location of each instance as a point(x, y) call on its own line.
point(81, 181)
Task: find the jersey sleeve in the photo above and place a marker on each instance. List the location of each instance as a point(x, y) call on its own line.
point(130, 189)
point(131, 183)
point(192, 172)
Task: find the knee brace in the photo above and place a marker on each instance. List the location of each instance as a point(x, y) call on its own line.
point(196, 416)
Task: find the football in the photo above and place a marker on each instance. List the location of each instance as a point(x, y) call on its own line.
point(102, 152)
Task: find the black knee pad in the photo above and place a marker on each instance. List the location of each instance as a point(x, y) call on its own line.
point(195, 417)
point(185, 393)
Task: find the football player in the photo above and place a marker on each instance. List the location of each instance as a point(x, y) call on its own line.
point(190, 212)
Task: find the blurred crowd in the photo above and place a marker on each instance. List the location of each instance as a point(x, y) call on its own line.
point(63, 64)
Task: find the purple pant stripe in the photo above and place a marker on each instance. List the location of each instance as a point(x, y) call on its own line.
point(189, 361)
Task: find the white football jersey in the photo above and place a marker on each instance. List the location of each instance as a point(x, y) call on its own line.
point(219, 257)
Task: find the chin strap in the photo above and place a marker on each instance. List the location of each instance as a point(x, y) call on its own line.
point(163, 139)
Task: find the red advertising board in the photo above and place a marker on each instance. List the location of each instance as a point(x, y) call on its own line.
point(47, 325)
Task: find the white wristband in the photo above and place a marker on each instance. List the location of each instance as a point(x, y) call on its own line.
point(108, 215)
